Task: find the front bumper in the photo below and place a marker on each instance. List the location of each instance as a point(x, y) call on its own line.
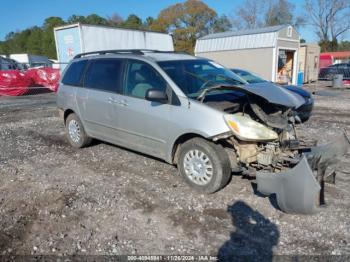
point(298, 190)
point(304, 112)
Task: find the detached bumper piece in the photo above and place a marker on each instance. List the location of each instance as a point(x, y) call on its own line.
point(298, 190)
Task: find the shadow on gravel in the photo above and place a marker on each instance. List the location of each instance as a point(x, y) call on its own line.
point(325, 93)
point(253, 238)
point(272, 197)
point(37, 90)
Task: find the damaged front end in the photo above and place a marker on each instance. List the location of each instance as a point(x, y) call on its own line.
point(266, 146)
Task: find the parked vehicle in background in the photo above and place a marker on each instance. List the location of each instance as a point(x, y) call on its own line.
point(16, 78)
point(304, 112)
point(328, 73)
point(13, 80)
point(32, 60)
point(198, 115)
point(11, 64)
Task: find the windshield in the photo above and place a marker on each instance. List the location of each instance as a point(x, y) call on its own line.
point(193, 76)
point(251, 78)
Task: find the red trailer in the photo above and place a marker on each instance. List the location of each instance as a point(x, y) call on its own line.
point(326, 59)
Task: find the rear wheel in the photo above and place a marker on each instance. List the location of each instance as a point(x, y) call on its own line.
point(204, 165)
point(75, 132)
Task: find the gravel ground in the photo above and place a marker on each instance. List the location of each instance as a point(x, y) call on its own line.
point(105, 200)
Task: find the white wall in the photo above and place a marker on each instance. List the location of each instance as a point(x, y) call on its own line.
point(258, 60)
point(97, 38)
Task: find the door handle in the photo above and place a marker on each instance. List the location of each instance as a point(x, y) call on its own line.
point(111, 100)
point(123, 103)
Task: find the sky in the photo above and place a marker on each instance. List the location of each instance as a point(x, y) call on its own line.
point(21, 14)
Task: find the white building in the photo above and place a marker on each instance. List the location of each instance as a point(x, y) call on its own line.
point(271, 52)
point(309, 61)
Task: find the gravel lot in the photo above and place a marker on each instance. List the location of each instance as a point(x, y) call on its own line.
point(105, 200)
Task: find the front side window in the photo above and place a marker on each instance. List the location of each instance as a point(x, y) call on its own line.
point(140, 77)
point(193, 76)
point(104, 75)
point(74, 73)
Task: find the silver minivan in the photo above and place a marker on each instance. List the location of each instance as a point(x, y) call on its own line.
point(198, 115)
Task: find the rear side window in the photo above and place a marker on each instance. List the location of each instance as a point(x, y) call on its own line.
point(104, 74)
point(74, 73)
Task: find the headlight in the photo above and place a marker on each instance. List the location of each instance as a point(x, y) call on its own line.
point(247, 129)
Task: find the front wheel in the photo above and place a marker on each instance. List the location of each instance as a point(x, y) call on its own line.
point(204, 165)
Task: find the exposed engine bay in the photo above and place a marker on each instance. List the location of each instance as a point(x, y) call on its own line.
point(268, 155)
point(283, 164)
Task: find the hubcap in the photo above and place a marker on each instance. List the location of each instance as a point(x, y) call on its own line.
point(74, 131)
point(198, 167)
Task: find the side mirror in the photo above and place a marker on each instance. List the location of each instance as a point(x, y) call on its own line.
point(156, 95)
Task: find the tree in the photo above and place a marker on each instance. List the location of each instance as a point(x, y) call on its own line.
point(115, 20)
point(280, 12)
point(34, 42)
point(76, 19)
point(94, 19)
point(254, 14)
point(344, 46)
point(248, 16)
point(330, 19)
point(3, 48)
point(48, 38)
point(221, 24)
point(52, 22)
point(186, 21)
point(133, 22)
point(149, 22)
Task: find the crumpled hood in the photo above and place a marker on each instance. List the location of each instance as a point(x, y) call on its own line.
point(304, 93)
point(276, 94)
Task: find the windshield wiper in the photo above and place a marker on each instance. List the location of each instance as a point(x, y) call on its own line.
point(207, 90)
point(232, 80)
point(195, 76)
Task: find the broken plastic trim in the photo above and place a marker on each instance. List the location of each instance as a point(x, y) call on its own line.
point(322, 156)
point(297, 190)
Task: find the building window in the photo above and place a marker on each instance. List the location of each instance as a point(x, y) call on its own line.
point(289, 31)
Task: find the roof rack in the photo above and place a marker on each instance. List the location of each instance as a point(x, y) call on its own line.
point(126, 51)
point(103, 52)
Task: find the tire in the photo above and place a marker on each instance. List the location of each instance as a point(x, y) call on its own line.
point(205, 166)
point(75, 131)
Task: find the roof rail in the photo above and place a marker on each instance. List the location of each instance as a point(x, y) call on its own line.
point(103, 52)
point(125, 51)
